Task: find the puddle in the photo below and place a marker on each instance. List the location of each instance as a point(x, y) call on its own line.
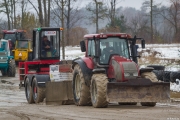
point(7, 82)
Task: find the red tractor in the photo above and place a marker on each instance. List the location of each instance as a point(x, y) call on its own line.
point(35, 75)
point(109, 73)
point(13, 35)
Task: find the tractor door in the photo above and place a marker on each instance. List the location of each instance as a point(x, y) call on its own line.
point(46, 43)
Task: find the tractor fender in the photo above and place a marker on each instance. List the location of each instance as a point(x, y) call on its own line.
point(41, 80)
point(87, 72)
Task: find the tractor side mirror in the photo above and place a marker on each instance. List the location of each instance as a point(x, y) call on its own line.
point(83, 46)
point(143, 43)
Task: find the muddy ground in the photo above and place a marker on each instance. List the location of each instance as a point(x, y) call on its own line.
point(13, 106)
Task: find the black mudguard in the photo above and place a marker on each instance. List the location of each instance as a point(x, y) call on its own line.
point(87, 73)
point(41, 79)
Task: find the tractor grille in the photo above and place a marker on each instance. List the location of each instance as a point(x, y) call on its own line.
point(3, 59)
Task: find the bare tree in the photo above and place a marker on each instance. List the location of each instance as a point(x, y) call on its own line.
point(99, 12)
point(111, 6)
point(42, 11)
point(173, 17)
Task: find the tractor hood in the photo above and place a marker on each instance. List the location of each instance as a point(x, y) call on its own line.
point(122, 68)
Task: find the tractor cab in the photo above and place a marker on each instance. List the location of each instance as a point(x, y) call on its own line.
point(102, 47)
point(46, 51)
point(13, 35)
point(46, 44)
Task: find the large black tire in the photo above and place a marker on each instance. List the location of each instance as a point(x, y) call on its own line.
point(99, 90)
point(81, 91)
point(11, 69)
point(28, 91)
point(157, 67)
point(153, 78)
point(166, 77)
point(159, 74)
point(38, 92)
point(4, 73)
point(174, 76)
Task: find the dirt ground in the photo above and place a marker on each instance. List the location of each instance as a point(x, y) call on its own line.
point(13, 106)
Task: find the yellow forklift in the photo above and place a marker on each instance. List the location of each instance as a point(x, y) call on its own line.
point(23, 50)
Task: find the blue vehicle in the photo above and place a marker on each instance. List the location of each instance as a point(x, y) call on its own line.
point(7, 63)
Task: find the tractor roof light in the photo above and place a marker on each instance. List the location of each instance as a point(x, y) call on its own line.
point(103, 36)
point(39, 29)
point(61, 28)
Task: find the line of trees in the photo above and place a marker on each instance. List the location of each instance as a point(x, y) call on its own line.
point(154, 22)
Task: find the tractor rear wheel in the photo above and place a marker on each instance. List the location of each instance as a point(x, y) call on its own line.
point(153, 78)
point(38, 92)
point(98, 90)
point(28, 91)
point(81, 92)
point(11, 69)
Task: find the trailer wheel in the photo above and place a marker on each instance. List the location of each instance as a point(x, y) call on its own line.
point(28, 91)
point(11, 69)
point(153, 78)
point(38, 92)
point(81, 91)
point(98, 90)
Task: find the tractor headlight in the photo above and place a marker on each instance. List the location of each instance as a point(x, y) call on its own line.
point(135, 74)
point(126, 74)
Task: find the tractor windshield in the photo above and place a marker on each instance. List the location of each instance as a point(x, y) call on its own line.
point(22, 45)
point(50, 44)
point(113, 45)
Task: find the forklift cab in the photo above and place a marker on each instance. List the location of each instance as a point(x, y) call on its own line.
point(46, 43)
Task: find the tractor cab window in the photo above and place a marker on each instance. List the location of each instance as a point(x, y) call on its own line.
point(50, 44)
point(11, 37)
point(112, 46)
point(91, 48)
point(22, 45)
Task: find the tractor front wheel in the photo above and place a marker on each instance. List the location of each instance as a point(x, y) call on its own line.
point(11, 69)
point(38, 92)
point(28, 91)
point(98, 90)
point(81, 92)
point(4, 72)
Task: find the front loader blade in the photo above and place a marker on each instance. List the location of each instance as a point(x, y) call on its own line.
point(154, 92)
point(59, 93)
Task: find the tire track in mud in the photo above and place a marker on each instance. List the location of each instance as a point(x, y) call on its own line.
point(67, 116)
point(20, 115)
point(24, 116)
